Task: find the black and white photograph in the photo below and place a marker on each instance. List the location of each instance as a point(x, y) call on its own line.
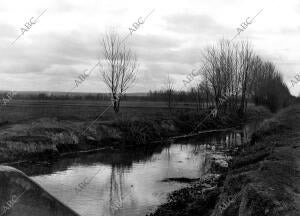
point(150, 108)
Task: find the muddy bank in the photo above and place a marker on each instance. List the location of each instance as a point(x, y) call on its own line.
point(262, 178)
point(198, 199)
point(201, 196)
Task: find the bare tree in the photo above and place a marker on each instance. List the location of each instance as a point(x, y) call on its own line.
point(246, 63)
point(169, 91)
point(120, 69)
point(217, 72)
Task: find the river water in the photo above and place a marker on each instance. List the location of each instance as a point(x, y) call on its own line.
point(128, 182)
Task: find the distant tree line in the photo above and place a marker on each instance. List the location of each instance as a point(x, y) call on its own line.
point(62, 96)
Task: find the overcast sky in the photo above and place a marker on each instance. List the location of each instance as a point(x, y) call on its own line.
point(65, 40)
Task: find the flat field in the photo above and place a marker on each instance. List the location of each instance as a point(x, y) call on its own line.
point(19, 110)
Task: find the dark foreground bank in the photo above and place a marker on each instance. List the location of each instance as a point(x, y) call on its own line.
point(262, 179)
point(22, 196)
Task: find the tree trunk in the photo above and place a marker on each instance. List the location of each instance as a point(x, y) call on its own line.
point(116, 102)
point(244, 90)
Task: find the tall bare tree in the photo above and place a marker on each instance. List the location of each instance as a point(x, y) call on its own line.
point(246, 63)
point(120, 68)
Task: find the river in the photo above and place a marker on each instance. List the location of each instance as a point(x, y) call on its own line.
point(129, 182)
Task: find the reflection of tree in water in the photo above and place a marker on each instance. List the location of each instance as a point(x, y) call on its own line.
point(226, 139)
point(168, 160)
point(238, 138)
point(217, 141)
point(201, 156)
point(204, 167)
point(118, 190)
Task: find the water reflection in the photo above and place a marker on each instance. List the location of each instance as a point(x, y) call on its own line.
point(128, 183)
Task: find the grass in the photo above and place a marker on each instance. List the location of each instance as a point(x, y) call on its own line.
point(60, 126)
point(19, 110)
point(266, 170)
point(263, 177)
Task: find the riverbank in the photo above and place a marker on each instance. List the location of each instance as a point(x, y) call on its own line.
point(262, 179)
point(48, 138)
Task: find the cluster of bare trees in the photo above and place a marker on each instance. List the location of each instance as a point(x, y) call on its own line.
point(234, 72)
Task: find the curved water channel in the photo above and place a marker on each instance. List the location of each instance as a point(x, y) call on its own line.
point(128, 183)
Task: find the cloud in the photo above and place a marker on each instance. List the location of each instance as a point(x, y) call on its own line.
point(65, 41)
point(7, 31)
point(54, 49)
point(186, 23)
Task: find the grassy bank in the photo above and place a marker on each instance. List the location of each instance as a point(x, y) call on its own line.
point(263, 177)
point(52, 137)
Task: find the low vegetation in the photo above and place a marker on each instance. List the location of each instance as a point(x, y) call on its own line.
point(261, 179)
